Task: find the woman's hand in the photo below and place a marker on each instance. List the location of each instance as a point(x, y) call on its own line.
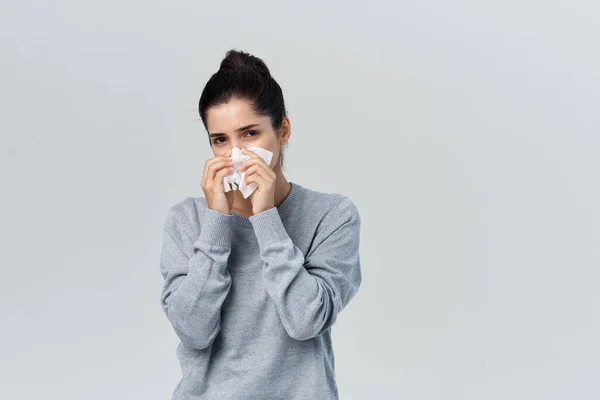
point(215, 171)
point(257, 171)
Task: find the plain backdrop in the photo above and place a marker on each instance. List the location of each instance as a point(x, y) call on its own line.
point(466, 132)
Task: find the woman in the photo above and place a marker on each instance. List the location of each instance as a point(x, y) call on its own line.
point(252, 286)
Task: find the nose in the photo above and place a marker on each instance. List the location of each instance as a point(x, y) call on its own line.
point(232, 144)
point(237, 143)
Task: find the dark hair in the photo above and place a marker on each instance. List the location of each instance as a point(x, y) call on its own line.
point(244, 76)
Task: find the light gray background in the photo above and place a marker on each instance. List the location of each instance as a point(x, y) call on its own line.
point(466, 132)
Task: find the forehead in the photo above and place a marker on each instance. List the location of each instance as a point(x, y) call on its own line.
point(228, 117)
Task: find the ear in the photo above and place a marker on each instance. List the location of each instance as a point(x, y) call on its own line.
point(286, 131)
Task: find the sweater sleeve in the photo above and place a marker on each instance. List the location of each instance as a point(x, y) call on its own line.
point(310, 292)
point(196, 278)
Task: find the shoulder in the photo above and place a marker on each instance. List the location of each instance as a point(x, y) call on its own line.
point(184, 216)
point(335, 219)
point(334, 204)
point(330, 207)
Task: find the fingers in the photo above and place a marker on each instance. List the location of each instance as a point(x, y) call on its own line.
point(216, 166)
point(257, 172)
point(221, 174)
point(253, 161)
point(254, 164)
point(258, 177)
point(249, 152)
point(217, 184)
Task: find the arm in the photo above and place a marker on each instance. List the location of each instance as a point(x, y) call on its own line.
point(195, 285)
point(310, 292)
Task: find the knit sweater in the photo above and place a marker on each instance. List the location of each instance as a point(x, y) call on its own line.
point(253, 300)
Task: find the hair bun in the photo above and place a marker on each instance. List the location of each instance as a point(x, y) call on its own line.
point(260, 66)
point(237, 59)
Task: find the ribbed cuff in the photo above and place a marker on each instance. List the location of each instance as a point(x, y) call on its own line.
point(216, 228)
point(268, 227)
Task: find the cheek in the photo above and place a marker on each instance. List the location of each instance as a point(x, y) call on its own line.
point(275, 158)
point(267, 144)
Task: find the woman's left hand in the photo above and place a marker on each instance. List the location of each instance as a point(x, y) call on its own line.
point(257, 171)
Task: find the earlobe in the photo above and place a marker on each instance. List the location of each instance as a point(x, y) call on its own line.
point(285, 136)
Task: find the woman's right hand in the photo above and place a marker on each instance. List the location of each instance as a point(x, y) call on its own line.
point(215, 171)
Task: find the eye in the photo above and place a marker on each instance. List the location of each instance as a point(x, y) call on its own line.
point(253, 132)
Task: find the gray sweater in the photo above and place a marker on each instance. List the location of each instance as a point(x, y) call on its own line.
point(253, 299)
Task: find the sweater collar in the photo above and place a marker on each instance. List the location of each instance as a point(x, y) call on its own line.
point(288, 204)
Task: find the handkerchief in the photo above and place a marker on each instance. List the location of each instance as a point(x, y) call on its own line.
point(236, 178)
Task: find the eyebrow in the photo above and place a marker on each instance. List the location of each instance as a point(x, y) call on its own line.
point(243, 128)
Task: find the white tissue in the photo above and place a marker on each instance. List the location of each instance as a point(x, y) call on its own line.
point(236, 178)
